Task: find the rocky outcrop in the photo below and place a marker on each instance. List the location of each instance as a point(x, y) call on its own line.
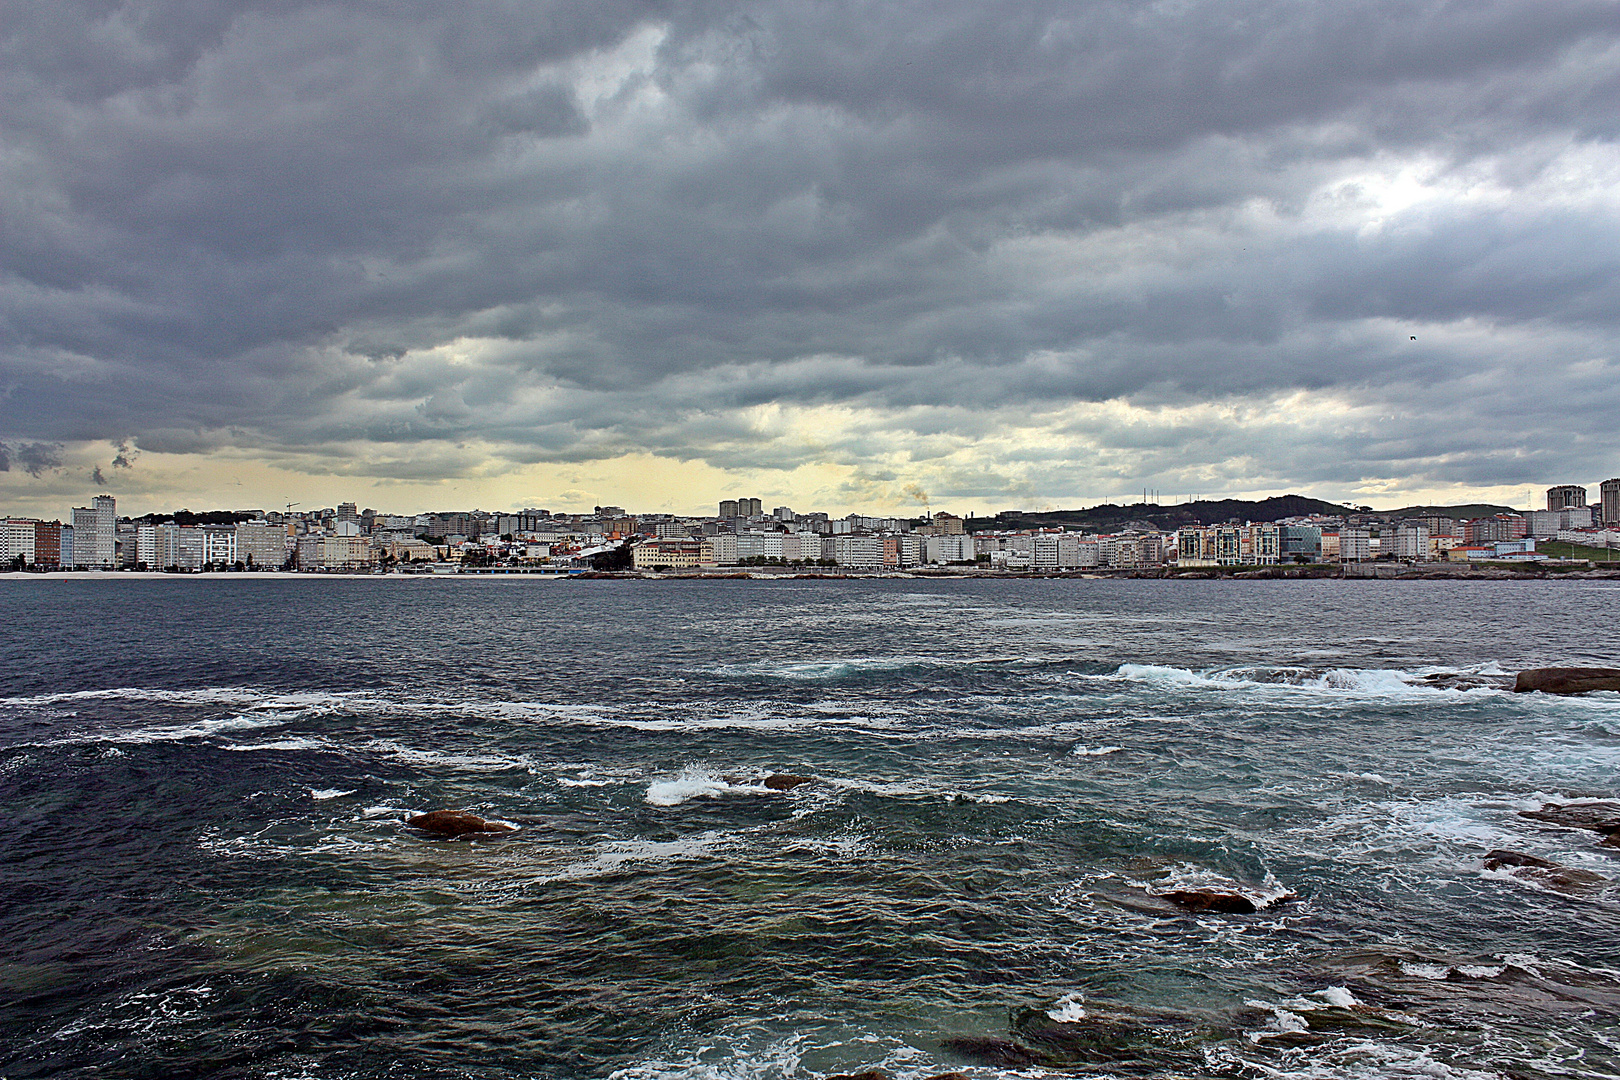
point(1223, 900)
point(1602, 817)
point(452, 823)
point(1539, 871)
point(1567, 680)
point(786, 782)
point(1231, 903)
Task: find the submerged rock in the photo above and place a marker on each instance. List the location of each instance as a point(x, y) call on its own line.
point(1558, 680)
point(1467, 680)
point(1543, 872)
point(1603, 817)
point(456, 823)
point(991, 1050)
point(786, 782)
point(1228, 901)
point(1222, 900)
point(1128, 1040)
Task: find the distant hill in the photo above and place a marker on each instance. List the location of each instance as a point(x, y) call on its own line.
point(1464, 512)
point(1201, 512)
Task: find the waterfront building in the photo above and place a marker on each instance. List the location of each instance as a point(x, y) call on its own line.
point(1609, 501)
point(1440, 525)
point(1546, 523)
point(673, 553)
point(1492, 529)
point(219, 544)
point(188, 547)
point(125, 545)
point(1565, 496)
point(950, 549)
point(17, 538)
point(95, 530)
point(853, 550)
point(1412, 542)
point(720, 549)
point(1299, 543)
point(1355, 545)
point(261, 545)
point(48, 543)
point(753, 544)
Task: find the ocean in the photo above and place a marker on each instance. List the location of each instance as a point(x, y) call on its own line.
point(206, 870)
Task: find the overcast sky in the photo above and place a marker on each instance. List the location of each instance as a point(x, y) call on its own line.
point(503, 253)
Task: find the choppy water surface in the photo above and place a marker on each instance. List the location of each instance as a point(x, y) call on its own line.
point(205, 870)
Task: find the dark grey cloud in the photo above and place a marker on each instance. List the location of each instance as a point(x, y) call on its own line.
point(572, 230)
point(32, 458)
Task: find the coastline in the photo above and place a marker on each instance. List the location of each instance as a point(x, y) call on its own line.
point(1364, 572)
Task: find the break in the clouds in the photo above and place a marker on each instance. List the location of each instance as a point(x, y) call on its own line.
point(1036, 253)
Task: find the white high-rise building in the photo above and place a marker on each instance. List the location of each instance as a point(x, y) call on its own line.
point(1609, 498)
point(95, 533)
point(1565, 496)
point(1412, 542)
point(1355, 545)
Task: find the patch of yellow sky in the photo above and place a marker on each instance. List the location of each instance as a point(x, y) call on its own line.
point(815, 466)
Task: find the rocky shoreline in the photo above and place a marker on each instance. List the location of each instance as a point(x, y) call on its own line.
point(1376, 572)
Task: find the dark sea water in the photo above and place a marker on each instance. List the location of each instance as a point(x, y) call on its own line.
point(205, 869)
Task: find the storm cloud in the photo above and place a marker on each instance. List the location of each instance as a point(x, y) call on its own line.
point(1048, 252)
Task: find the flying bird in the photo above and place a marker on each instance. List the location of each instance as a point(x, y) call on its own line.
point(1414, 337)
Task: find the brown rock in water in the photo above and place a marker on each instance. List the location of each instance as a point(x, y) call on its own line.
point(786, 782)
point(1603, 817)
point(1223, 900)
point(456, 823)
point(869, 1074)
point(1538, 871)
point(1561, 680)
point(1495, 860)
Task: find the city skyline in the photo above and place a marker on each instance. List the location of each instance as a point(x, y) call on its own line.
point(509, 255)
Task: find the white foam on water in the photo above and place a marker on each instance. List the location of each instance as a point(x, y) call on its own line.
point(213, 695)
point(616, 856)
point(1339, 996)
point(322, 794)
point(1418, 970)
point(566, 781)
point(280, 744)
point(1479, 971)
point(201, 729)
point(1293, 681)
point(1282, 1019)
point(1068, 1008)
point(833, 670)
point(1373, 1060)
point(1099, 751)
point(414, 756)
point(777, 1061)
point(1187, 876)
point(697, 783)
